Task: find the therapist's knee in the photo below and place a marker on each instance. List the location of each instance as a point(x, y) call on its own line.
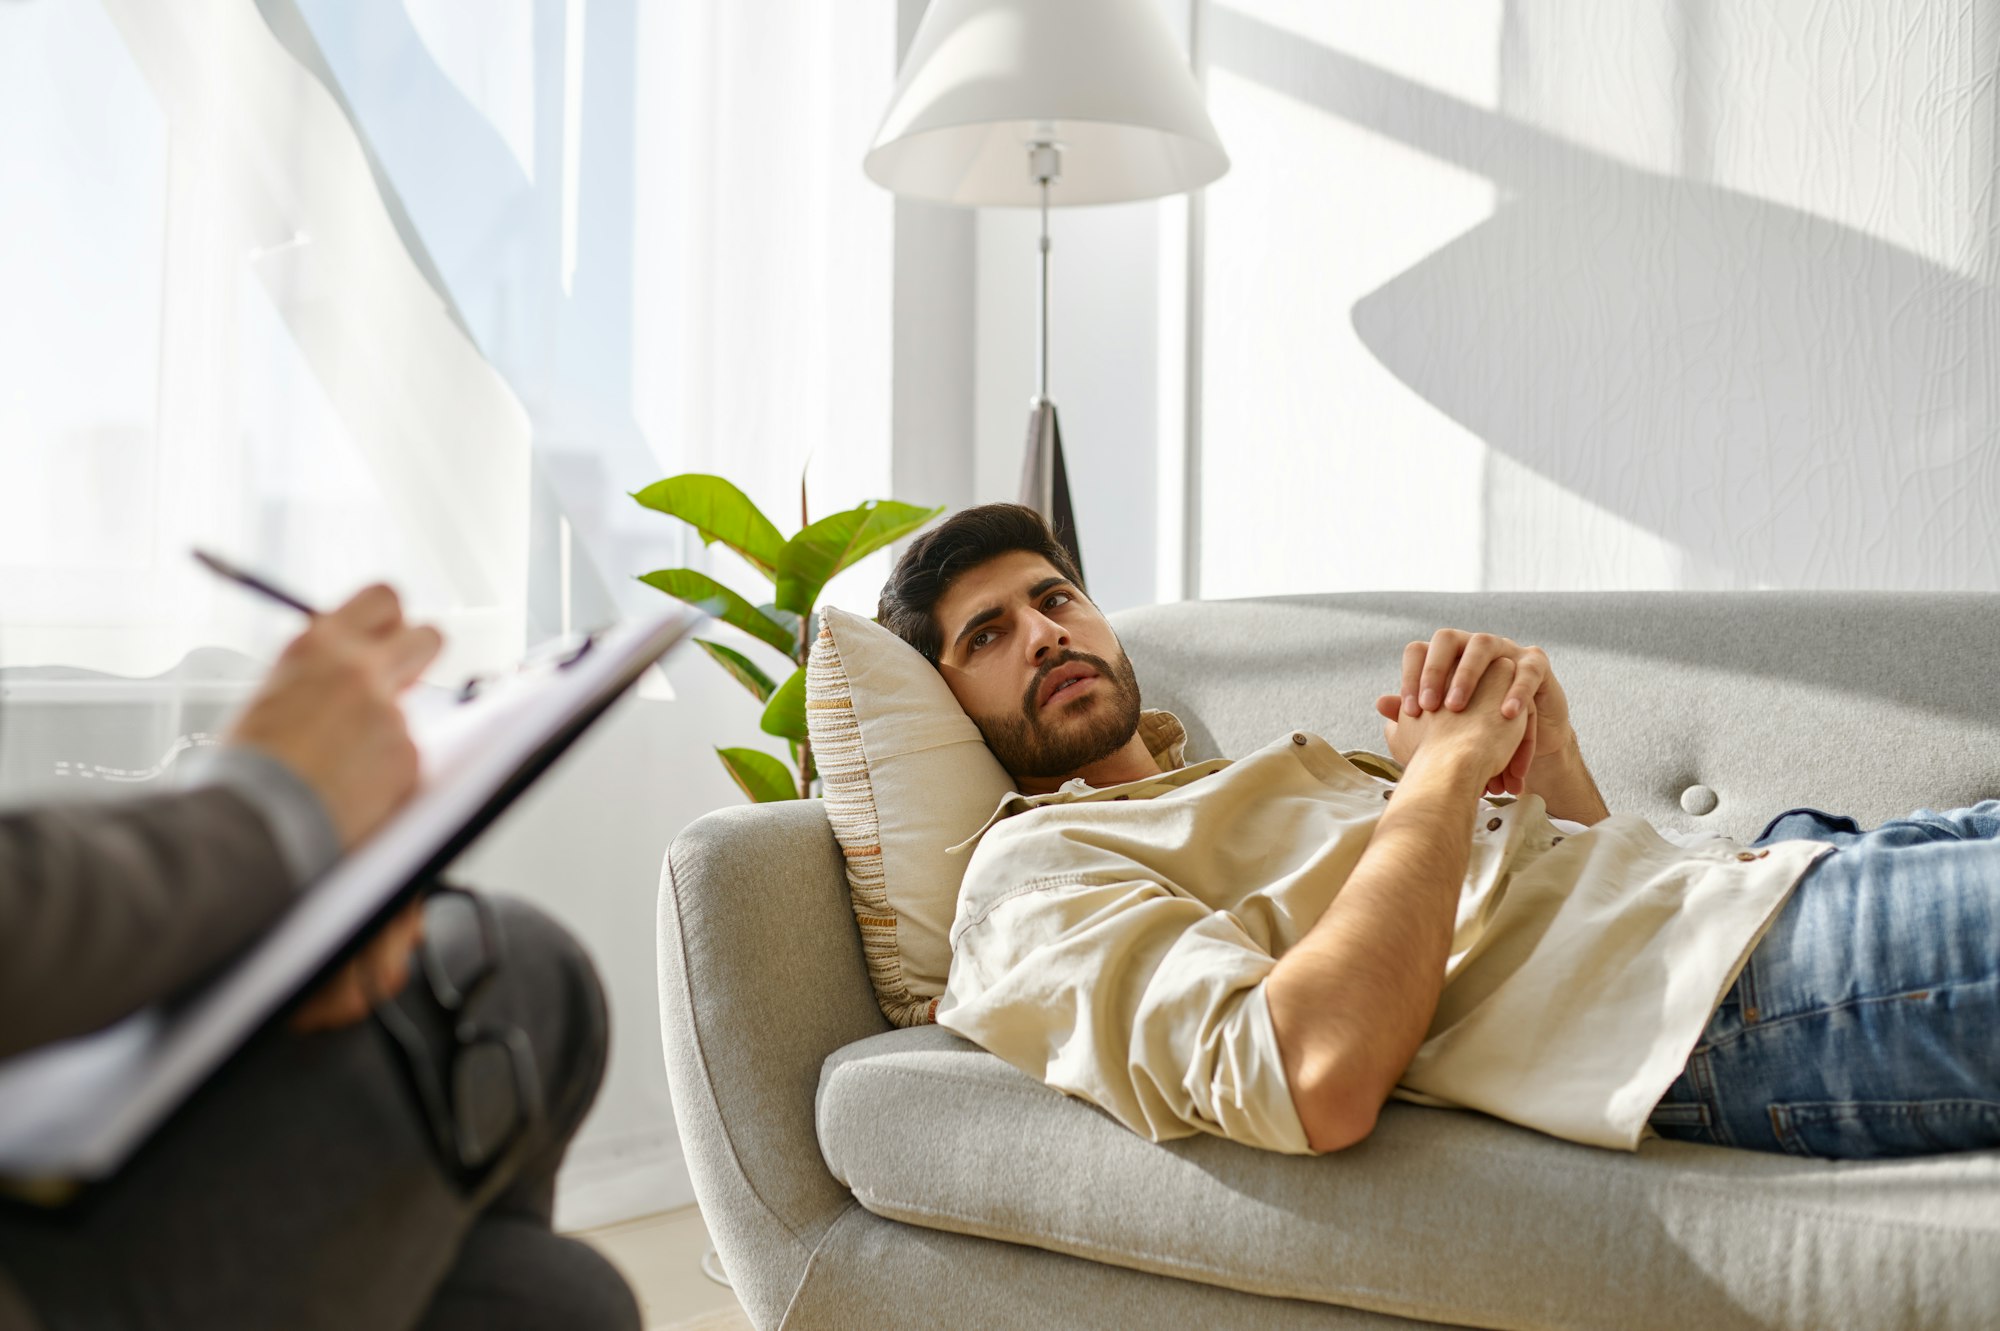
point(551, 991)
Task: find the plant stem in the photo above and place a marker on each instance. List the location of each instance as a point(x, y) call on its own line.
point(805, 751)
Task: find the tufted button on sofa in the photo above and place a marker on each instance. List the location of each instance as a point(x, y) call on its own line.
point(1699, 800)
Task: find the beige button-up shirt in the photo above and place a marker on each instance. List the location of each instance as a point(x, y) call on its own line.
point(1114, 942)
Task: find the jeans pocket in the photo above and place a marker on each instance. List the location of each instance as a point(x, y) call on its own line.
point(1682, 1122)
point(1807, 825)
point(1872, 1129)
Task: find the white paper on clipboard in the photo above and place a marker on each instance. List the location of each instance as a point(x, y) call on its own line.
point(75, 1110)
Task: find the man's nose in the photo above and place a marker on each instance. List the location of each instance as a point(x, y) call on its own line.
point(1045, 636)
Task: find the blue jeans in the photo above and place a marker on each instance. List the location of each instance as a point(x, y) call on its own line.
point(1867, 1022)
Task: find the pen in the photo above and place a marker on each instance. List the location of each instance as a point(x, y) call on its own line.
point(217, 564)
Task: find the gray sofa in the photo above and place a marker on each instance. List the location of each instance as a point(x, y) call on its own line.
point(858, 1176)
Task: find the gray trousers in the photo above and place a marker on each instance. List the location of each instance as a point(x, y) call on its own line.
point(301, 1187)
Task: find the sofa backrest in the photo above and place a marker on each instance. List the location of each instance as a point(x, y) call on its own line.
point(1865, 703)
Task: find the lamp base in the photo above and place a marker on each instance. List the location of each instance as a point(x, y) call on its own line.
point(1045, 480)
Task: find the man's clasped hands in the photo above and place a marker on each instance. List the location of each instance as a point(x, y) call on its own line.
point(1485, 695)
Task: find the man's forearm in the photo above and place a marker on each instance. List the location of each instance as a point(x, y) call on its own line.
point(1351, 1001)
point(1566, 787)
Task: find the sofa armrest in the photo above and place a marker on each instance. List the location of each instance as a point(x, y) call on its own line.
point(761, 977)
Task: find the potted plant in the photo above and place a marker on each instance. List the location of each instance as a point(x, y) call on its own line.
point(799, 569)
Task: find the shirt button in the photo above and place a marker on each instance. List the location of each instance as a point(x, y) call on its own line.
point(1493, 824)
point(1298, 739)
point(1746, 855)
point(1557, 842)
point(1762, 853)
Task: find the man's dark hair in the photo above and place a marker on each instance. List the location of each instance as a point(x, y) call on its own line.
point(963, 541)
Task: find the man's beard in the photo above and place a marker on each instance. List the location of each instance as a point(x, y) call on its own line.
point(1027, 747)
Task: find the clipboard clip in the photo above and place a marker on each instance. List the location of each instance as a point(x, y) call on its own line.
point(555, 654)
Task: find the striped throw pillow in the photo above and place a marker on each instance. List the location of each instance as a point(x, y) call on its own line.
point(906, 776)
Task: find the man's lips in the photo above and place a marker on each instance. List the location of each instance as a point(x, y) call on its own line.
point(1064, 681)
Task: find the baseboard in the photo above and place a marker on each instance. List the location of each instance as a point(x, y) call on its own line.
point(606, 1180)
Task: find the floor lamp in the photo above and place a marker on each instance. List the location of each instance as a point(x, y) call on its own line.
point(1041, 103)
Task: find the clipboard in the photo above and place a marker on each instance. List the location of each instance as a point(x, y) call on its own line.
point(71, 1113)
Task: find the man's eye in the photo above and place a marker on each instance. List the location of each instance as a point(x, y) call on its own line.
point(978, 640)
point(1056, 599)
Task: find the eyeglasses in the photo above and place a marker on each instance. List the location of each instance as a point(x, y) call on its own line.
point(489, 1096)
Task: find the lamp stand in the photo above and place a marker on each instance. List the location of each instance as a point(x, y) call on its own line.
point(1044, 477)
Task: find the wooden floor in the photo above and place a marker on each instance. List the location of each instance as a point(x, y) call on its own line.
point(660, 1256)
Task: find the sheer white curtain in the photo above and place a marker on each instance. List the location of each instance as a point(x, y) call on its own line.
point(651, 218)
point(762, 337)
point(220, 338)
point(416, 290)
point(223, 339)
point(419, 290)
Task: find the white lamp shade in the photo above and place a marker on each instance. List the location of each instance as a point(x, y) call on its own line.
point(984, 79)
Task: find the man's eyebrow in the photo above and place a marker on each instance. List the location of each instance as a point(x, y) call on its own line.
point(989, 613)
point(992, 612)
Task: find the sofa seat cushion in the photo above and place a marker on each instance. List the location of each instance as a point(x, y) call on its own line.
point(1441, 1215)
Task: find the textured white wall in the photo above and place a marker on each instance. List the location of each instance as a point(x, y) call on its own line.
point(1524, 294)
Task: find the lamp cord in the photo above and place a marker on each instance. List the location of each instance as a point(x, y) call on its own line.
point(1042, 340)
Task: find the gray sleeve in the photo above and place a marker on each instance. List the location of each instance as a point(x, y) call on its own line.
point(108, 907)
point(297, 818)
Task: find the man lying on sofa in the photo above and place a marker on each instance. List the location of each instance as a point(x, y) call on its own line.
point(1268, 949)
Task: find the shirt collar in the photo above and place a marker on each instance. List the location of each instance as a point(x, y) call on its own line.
point(1165, 739)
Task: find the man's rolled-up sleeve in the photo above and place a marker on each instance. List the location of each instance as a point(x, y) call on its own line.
point(1128, 994)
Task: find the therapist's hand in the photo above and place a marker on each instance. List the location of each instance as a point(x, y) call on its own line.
point(328, 709)
point(378, 971)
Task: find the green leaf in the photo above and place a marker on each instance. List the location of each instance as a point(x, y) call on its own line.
point(788, 619)
point(720, 512)
point(712, 598)
point(740, 667)
point(760, 776)
point(786, 714)
point(831, 544)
